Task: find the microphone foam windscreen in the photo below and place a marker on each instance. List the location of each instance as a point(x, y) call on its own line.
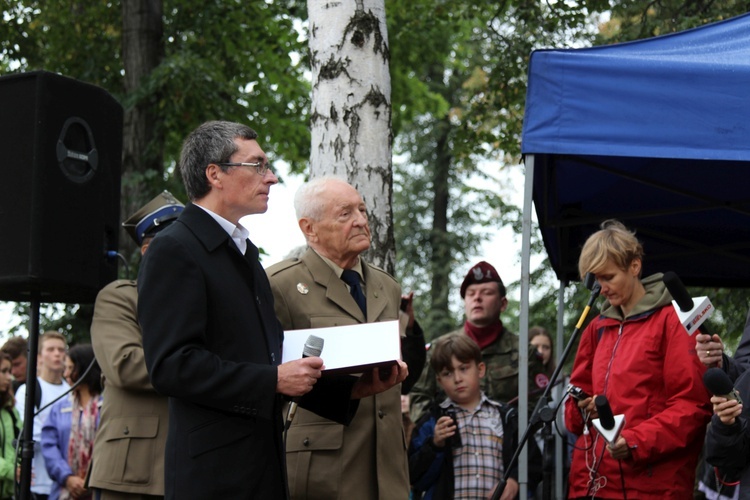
point(717, 382)
point(589, 280)
point(606, 418)
point(313, 346)
point(678, 291)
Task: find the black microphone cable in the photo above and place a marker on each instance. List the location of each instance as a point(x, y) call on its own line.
point(112, 253)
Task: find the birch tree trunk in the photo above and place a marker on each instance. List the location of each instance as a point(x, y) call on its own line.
point(351, 109)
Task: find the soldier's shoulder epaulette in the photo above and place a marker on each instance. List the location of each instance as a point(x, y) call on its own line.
point(123, 284)
point(116, 287)
point(281, 266)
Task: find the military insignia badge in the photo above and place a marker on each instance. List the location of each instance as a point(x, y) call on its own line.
point(302, 288)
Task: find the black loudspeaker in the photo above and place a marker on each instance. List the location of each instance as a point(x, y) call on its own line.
point(60, 158)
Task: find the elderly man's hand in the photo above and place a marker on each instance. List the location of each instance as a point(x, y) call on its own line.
point(371, 383)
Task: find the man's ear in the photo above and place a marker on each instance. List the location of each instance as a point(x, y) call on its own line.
point(307, 226)
point(212, 175)
point(503, 304)
point(482, 369)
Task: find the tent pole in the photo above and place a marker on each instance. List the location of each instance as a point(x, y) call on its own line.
point(560, 445)
point(523, 341)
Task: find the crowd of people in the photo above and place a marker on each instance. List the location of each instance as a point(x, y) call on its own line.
point(190, 388)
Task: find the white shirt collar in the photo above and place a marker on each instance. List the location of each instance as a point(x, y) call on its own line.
point(237, 232)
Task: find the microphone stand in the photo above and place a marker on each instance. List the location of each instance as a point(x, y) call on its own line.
point(542, 411)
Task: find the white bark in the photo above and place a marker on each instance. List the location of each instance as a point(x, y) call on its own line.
point(351, 108)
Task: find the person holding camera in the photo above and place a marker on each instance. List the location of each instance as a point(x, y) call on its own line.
point(460, 449)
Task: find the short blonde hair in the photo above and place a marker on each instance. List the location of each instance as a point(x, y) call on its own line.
point(613, 242)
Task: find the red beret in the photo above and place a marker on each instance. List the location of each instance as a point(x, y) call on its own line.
point(480, 273)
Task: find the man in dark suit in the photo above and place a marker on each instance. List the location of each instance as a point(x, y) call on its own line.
point(211, 340)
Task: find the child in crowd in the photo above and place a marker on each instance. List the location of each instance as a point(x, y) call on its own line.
point(464, 455)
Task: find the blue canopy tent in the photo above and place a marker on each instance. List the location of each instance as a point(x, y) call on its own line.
point(654, 133)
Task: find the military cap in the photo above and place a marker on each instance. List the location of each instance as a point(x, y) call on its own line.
point(480, 273)
point(153, 217)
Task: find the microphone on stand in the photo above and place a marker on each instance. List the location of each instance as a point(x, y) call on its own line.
point(313, 347)
point(542, 408)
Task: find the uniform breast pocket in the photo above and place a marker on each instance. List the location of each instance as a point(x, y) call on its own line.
point(501, 381)
point(130, 441)
point(313, 454)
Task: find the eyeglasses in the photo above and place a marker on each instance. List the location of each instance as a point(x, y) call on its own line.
point(260, 167)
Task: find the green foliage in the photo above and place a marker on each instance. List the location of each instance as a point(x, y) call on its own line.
point(459, 85)
point(234, 61)
point(231, 60)
point(74, 38)
point(458, 72)
point(634, 20)
point(72, 320)
point(222, 60)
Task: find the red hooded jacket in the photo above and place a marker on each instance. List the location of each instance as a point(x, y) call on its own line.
point(646, 366)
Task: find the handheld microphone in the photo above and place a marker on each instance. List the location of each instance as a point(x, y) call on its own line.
point(692, 313)
point(719, 384)
point(313, 347)
point(608, 425)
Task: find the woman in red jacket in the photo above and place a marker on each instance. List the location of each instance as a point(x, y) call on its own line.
point(638, 355)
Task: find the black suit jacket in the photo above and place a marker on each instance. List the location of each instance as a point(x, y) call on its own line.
point(212, 344)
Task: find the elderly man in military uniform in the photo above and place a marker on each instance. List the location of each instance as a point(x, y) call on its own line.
point(331, 285)
point(128, 456)
point(484, 300)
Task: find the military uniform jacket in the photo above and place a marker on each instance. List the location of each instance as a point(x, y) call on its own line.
point(129, 448)
point(325, 460)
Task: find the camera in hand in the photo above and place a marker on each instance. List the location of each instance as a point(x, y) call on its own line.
point(577, 392)
point(455, 440)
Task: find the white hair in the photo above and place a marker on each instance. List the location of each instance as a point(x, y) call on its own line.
point(308, 202)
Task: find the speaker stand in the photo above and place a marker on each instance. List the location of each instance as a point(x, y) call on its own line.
point(27, 438)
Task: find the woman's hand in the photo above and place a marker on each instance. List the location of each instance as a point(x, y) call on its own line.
point(588, 405)
point(620, 450)
point(74, 485)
